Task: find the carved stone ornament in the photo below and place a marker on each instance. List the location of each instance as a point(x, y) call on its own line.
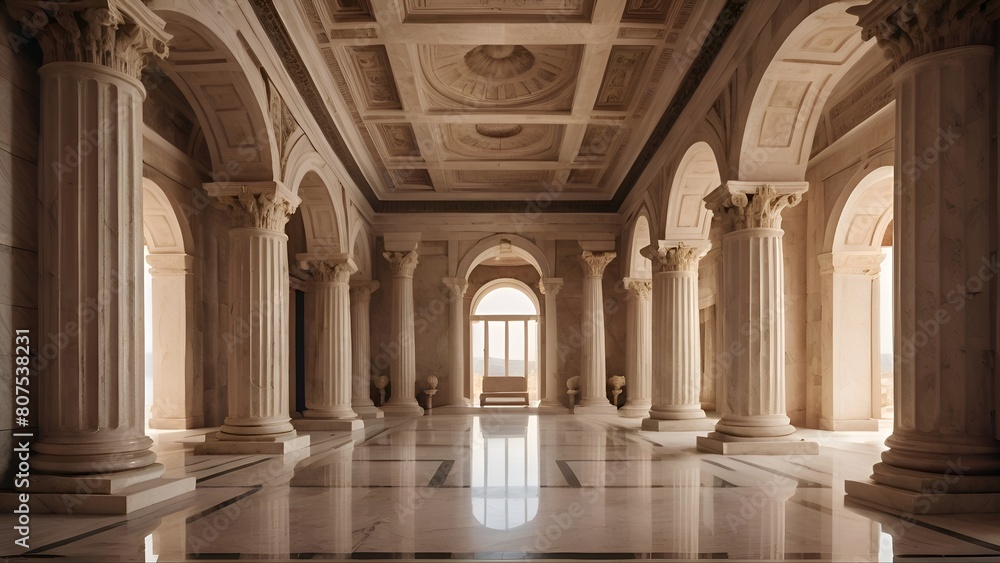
point(761, 209)
point(337, 271)
point(639, 289)
point(403, 264)
point(681, 257)
point(269, 211)
point(361, 291)
point(117, 34)
point(594, 263)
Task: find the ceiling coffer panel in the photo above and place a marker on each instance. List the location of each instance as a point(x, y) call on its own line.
point(500, 77)
point(501, 142)
point(498, 11)
point(376, 84)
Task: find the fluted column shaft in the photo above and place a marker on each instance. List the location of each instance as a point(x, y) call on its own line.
point(456, 341)
point(639, 352)
point(328, 367)
point(402, 360)
point(361, 299)
point(550, 360)
point(594, 370)
point(90, 234)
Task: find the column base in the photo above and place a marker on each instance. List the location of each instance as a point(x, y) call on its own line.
point(368, 412)
point(403, 409)
point(177, 423)
point(279, 446)
point(596, 408)
point(116, 493)
point(332, 424)
point(687, 425)
point(553, 409)
point(849, 424)
point(724, 444)
point(635, 410)
point(902, 502)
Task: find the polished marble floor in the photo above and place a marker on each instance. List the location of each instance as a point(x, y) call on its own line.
point(502, 484)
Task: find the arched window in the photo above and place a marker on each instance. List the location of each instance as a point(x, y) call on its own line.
point(505, 340)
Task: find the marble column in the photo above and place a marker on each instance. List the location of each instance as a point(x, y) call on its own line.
point(677, 337)
point(753, 410)
point(361, 397)
point(328, 358)
point(256, 339)
point(849, 290)
point(594, 399)
point(944, 456)
point(402, 353)
point(552, 401)
point(456, 337)
point(639, 348)
point(92, 444)
point(177, 383)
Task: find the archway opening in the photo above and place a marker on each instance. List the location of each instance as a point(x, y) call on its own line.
point(505, 471)
point(505, 344)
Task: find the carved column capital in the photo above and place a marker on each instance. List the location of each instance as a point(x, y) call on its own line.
point(259, 205)
point(594, 263)
point(641, 289)
point(676, 256)
point(550, 286)
point(362, 290)
point(335, 268)
point(403, 264)
point(117, 34)
point(907, 29)
point(750, 205)
point(456, 287)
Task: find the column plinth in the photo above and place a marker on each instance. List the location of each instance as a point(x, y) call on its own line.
point(361, 399)
point(943, 454)
point(676, 331)
point(638, 351)
point(328, 356)
point(456, 342)
point(402, 361)
point(90, 365)
point(594, 399)
point(753, 412)
point(257, 348)
point(552, 400)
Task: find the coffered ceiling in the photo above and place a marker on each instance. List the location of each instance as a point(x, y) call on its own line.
point(495, 100)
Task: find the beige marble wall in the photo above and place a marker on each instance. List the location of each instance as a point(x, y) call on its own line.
point(18, 227)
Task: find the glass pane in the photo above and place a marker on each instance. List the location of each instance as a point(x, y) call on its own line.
point(505, 301)
point(478, 353)
point(516, 355)
point(532, 348)
point(497, 347)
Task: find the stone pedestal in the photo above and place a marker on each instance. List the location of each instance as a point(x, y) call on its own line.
point(90, 362)
point(594, 399)
point(753, 411)
point(944, 456)
point(328, 348)
point(178, 394)
point(257, 335)
point(402, 361)
point(552, 401)
point(361, 399)
point(677, 334)
point(638, 351)
point(456, 342)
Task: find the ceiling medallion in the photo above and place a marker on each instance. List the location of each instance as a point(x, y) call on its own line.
point(498, 131)
point(501, 62)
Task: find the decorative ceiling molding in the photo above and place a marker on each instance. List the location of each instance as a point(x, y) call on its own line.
point(547, 200)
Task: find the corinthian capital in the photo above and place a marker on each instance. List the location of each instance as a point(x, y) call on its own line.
point(749, 205)
point(328, 268)
point(674, 256)
point(907, 29)
point(261, 205)
point(641, 289)
point(361, 290)
point(403, 264)
point(456, 287)
point(117, 34)
point(594, 263)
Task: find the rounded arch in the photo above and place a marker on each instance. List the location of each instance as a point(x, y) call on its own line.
point(687, 217)
point(361, 249)
point(517, 245)
point(501, 283)
point(863, 211)
point(638, 265)
point(165, 231)
point(308, 176)
point(787, 102)
point(224, 87)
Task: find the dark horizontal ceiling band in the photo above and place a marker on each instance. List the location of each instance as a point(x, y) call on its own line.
point(276, 31)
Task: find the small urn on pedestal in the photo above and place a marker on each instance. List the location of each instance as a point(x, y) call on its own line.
point(430, 391)
point(616, 382)
point(381, 382)
point(573, 389)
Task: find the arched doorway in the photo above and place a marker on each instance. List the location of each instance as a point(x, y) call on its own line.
point(504, 343)
point(856, 286)
point(505, 479)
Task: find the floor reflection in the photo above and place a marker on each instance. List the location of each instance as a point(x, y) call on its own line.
point(504, 485)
